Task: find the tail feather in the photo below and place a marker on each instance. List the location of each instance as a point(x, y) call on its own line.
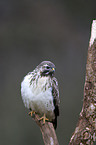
point(55, 122)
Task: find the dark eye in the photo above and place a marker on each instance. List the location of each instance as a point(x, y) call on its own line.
point(47, 67)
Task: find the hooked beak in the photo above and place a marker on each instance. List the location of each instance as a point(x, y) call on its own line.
point(52, 70)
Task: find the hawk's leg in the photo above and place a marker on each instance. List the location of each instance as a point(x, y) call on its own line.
point(31, 113)
point(43, 118)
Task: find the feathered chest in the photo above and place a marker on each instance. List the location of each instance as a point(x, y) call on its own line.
point(40, 85)
point(37, 95)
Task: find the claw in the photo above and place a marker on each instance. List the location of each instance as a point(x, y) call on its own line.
point(44, 119)
point(31, 113)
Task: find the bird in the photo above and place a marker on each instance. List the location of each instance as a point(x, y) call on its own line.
point(40, 92)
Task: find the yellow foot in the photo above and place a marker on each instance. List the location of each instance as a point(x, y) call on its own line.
point(43, 118)
point(31, 113)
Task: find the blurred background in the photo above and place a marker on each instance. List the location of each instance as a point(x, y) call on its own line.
point(33, 31)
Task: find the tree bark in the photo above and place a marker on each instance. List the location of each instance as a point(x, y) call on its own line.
point(85, 132)
point(48, 132)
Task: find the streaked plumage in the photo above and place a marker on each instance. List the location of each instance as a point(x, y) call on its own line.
point(40, 93)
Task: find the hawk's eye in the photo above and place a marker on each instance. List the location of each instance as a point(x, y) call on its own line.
point(47, 67)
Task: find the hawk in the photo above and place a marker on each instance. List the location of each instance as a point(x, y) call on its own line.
point(40, 93)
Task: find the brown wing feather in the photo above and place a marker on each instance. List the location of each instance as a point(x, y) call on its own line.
point(56, 100)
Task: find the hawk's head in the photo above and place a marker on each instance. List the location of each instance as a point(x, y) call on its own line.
point(46, 68)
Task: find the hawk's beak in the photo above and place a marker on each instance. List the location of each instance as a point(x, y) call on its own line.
point(52, 70)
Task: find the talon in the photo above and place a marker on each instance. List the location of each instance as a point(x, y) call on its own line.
point(31, 113)
point(43, 118)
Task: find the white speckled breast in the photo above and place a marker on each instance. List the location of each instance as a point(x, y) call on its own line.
point(38, 95)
